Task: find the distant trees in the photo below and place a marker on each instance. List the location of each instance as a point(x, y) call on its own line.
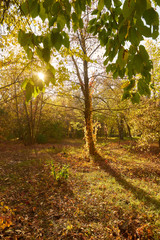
point(145, 119)
point(46, 115)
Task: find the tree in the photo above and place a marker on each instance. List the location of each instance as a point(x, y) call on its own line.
point(115, 24)
point(108, 101)
point(146, 118)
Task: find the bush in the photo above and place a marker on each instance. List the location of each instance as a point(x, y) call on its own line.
point(41, 138)
point(61, 173)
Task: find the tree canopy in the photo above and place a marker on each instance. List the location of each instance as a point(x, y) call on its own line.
point(119, 25)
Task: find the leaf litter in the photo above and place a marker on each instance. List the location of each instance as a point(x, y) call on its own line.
point(90, 204)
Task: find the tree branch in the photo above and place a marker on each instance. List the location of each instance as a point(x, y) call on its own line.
point(78, 75)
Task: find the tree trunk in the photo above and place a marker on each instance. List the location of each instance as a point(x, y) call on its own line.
point(88, 111)
point(89, 127)
point(128, 128)
point(120, 128)
point(28, 135)
point(19, 124)
point(85, 88)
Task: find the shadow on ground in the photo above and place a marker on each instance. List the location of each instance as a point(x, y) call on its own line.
point(138, 192)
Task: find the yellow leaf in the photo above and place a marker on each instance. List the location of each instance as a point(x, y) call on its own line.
point(125, 84)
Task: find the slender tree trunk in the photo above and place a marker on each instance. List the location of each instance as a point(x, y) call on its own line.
point(128, 128)
point(28, 137)
point(120, 128)
point(40, 114)
point(19, 124)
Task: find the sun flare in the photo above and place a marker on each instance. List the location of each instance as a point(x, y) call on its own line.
point(41, 76)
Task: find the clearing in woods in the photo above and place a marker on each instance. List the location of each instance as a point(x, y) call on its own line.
point(56, 192)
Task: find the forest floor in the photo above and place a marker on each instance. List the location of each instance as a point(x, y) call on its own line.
point(54, 191)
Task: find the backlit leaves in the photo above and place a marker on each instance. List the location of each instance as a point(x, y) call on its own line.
point(115, 23)
point(151, 17)
point(31, 7)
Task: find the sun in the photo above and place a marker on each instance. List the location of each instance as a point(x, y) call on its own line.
point(41, 75)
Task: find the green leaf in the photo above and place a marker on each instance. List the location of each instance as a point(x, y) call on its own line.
point(43, 53)
point(61, 21)
point(107, 3)
point(134, 36)
point(151, 16)
point(103, 37)
point(115, 74)
point(67, 6)
point(66, 41)
point(122, 33)
point(95, 11)
point(117, 3)
point(113, 53)
point(39, 52)
point(40, 84)
point(93, 21)
point(141, 7)
point(126, 95)
point(82, 4)
point(135, 98)
point(36, 92)
point(47, 5)
point(75, 17)
point(100, 5)
point(155, 32)
point(24, 83)
point(106, 61)
point(81, 23)
point(138, 63)
point(128, 8)
point(24, 8)
point(35, 9)
point(29, 53)
point(46, 54)
point(42, 12)
point(75, 20)
point(24, 38)
point(56, 8)
point(143, 53)
point(132, 49)
point(47, 41)
point(89, 2)
point(145, 31)
point(51, 68)
point(130, 85)
point(52, 21)
point(56, 39)
point(77, 8)
point(109, 46)
point(35, 40)
point(29, 90)
point(143, 87)
point(50, 77)
point(122, 59)
point(158, 2)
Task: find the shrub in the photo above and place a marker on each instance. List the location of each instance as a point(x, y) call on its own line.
point(60, 174)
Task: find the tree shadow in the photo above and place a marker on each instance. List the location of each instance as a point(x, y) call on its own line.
point(139, 193)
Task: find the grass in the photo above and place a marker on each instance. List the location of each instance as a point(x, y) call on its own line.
point(116, 196)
